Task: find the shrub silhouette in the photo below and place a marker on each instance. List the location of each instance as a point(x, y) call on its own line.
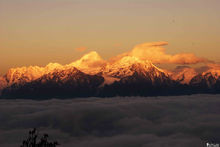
point(33, 141)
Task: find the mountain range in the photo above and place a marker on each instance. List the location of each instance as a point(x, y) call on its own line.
point(91, 76)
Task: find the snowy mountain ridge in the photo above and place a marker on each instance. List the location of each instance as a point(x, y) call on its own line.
point(127, 70)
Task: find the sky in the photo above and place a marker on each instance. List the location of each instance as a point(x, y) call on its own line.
point(36, 32)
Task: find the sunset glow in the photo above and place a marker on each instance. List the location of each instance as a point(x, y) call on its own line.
point(39, 32)
point(109, 73)
point(93, 63)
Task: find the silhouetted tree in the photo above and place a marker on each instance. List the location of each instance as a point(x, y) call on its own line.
point(32, 140)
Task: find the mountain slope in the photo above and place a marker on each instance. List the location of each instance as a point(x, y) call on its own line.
point(23, 75)
point(184, 74)
point(59, 83)
point(136, 78)
point(207, 81)
point(3, 83)
point(126, 76)
point(127, 65)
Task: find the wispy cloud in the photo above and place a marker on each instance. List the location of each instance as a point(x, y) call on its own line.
point(156, 53)
point(81, 49)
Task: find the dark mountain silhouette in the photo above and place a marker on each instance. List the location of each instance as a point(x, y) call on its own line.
point(205, 83)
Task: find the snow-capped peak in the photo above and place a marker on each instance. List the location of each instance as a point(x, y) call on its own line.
point(184, 75)
point(51, 66)
point(127, 65)
point(90, 63)
point(15, 75)
point(30, 73)
point(215, 72)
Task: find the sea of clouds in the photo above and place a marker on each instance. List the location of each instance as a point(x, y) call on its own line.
point(180, 121)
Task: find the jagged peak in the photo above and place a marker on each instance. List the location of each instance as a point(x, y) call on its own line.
point(62, 72)
point(213, 72)
point(184, 75)
point(27, 74)
point(14, 74)
point(90, 63)
point(127, 65)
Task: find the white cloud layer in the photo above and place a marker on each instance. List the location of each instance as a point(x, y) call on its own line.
point(154, 121)
point(156, 53)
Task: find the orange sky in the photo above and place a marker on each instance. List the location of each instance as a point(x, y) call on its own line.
point(43, 31)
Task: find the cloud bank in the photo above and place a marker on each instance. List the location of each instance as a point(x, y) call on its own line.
point(114, 122)
point(155, 52)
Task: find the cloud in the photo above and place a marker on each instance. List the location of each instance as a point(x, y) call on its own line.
point(81, 49)
point(213, 68)
point(153, 121)
point(90, 63)
point(155, 52)
point(186, 58)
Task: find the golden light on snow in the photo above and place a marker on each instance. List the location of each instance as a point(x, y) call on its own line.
point(145, 55)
